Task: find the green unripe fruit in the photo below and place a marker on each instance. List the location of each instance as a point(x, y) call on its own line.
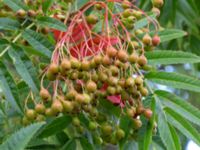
point(111, 90)
point(40, 118)
point(85, 65)
point(127, 13)
point(106, 129)
point(126, 4)
point(147, 40)
point(75, 63)
point(53, 68)
point(76, 121)
point(91, 19)
point(111, 51)
point(57, 107)
point(156, 11)
point(31, 114)
point(80, 129)
point(137, 123)
point(106, 61)
point(98, 6)
point(31, 13)
point(113, 140)
point(133, 58)
point(79, 98)
point(113, 81)
point(135, 44)
point(94, 112)
point(67, 106)
point(138, 80)
point(131, 112)
point(125, 95)
point(21, 13)
point(120, 134)
point(94, 77)
point(91, 86)
point(158, 3)
point(98, 59)
point(40, 108)
point(44, 94)
point(102, 76)
point(74, 75)
point(25, 121)
point(122, 82)
point(118, 89)
point(137, 14)
point(122, 55)
point(71, 94)
point(130, 82)
point(144, 91)
point(92, 125)
point(139, 109)
point(142, 60)
point(131, 19)
point(98, 140)
point(87, 98)
point(138, 32)
point(50, 76)
point(65, 65)
point(48, 112)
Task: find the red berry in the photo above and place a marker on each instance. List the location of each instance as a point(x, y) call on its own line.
point(148, 113)
point(156, 40)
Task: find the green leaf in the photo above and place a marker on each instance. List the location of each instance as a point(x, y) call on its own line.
point(110, 108)
point(3, 42)
point(20, 139)
point(125, 124)
point(46, 5)
point(182, 125)
point(143, 22)
point(9, 88)
point(175, 137)
point(15, 4)
point(39, 42)
point(51, 23)
point(182, 107)
point(164, 129)
point(55, 126)
point(85, 144)
point(166, 57)
point(175, 80)
point(149, 128)
point(70, 145)
point(22, 68)
point(9, 24)
point(131, 145)
point(170, 34)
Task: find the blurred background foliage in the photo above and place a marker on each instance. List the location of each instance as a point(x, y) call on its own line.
point(179, 14)
point(185, 15)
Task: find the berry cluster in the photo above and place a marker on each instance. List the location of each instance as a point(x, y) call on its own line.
point(94, 67)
